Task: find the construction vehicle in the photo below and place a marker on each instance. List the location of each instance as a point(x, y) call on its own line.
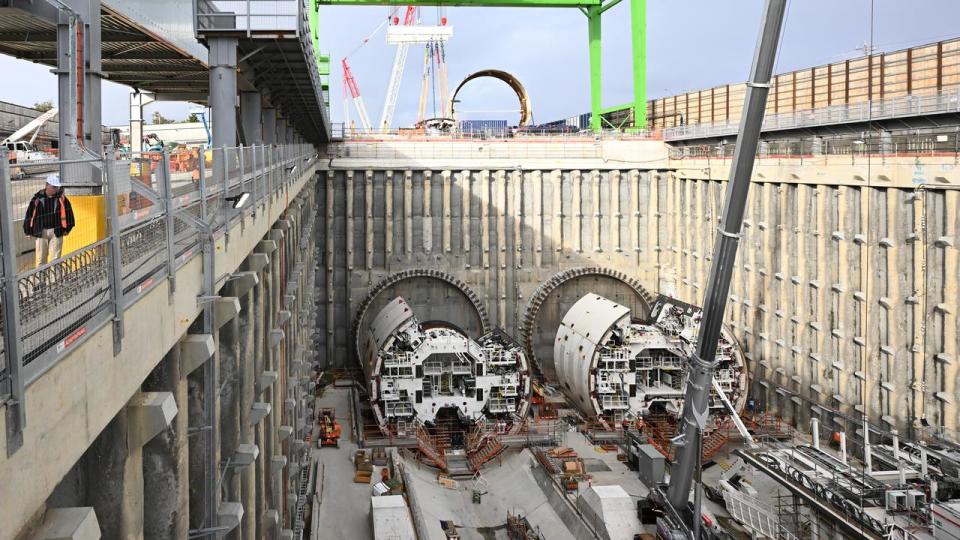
point(329, 428)
point(679, 514)
point(21, 150)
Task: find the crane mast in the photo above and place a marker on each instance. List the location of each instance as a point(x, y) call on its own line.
point(396, 74)
point(350, 87)
point(703, 363)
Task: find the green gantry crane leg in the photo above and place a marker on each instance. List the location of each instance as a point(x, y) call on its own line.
point(638, 48)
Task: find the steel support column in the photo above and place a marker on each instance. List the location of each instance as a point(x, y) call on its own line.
point(138, 100)
point(594, 35)
point(269, 119)
point(638, 33)
point(251, 114)
point(223, 97)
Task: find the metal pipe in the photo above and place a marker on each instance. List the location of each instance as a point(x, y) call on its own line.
point(703, 363)
point(843, 447)
point(815, 432)
point(16, 418)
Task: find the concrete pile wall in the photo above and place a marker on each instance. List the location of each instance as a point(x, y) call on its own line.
point(844, 298)
point(143, 474)
point(845, 295)
point(490, 237)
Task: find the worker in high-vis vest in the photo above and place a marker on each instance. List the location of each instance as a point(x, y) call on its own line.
point(49, 218)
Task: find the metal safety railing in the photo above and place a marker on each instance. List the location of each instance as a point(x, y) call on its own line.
point(899, 107)
point(935, 142)
point(248, 16)
point(141, 219)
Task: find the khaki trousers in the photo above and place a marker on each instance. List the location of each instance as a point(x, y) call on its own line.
point(48, 247)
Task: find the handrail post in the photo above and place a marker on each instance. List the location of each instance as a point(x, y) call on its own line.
point(116, 268)
point(224, 193)
point(243, 174)
point(16, 417)
point(167, 192)
point(254, 178)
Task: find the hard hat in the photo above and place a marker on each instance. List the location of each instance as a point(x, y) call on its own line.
point(54, 180)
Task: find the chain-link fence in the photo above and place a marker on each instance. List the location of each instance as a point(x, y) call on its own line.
point(133, 223)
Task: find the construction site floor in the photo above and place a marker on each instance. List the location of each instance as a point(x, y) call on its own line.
point(344, 509)
point(509, 487)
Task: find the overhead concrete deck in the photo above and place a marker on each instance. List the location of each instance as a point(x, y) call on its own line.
point(69, 405)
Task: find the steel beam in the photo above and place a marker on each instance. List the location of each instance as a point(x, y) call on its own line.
point(638, 32)
point(467, 3)
point(594, 42)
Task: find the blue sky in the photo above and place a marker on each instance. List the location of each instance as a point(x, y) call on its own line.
point(691, 44)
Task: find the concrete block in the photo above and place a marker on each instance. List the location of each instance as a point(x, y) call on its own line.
point(69, 524)
point(277, 464)
point(282, 224)
point(195, 349)
point(289, 299)
point(290, 404)
point(149, 413)
point(284, 432)
point(225, 309)
point(292, 469)
point(259, 411)
point(256, 262)
point(229, 515)
point(297, 445)
point(266, 246)
point(266, 380)
point(276, 235)
point(240, 283)
point(291, 500)
point(276, 336)
point(244, 455)
point(286, 534)
point(283, 316)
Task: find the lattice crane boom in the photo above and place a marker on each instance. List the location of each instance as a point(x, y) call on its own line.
point(350, 86)
point(396, 74)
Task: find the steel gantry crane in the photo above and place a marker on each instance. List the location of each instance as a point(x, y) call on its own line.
point(593, 9)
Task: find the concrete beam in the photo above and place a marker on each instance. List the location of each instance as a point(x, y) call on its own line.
point(229, 516)
point(245, 455)
point(69, 524)
point(259, 411)
point(287, 534)
point(277, 464)
point(282, 224)
point(284, 432)
point(266, 380)
point(256, 262)
point(266, 246)
point(276, 336)
point(149, 414)
point(240, 283)
point(276, 235)
point(225, 309)
point(195, 349)
point(283, 316)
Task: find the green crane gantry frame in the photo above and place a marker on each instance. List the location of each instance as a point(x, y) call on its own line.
point(593, 9)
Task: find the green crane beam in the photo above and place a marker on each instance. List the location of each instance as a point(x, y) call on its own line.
point(467, 3)
point(593, 9)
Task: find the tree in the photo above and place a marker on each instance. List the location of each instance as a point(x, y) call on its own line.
point(160, 119)
point(193, 118)
point(43, 106)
